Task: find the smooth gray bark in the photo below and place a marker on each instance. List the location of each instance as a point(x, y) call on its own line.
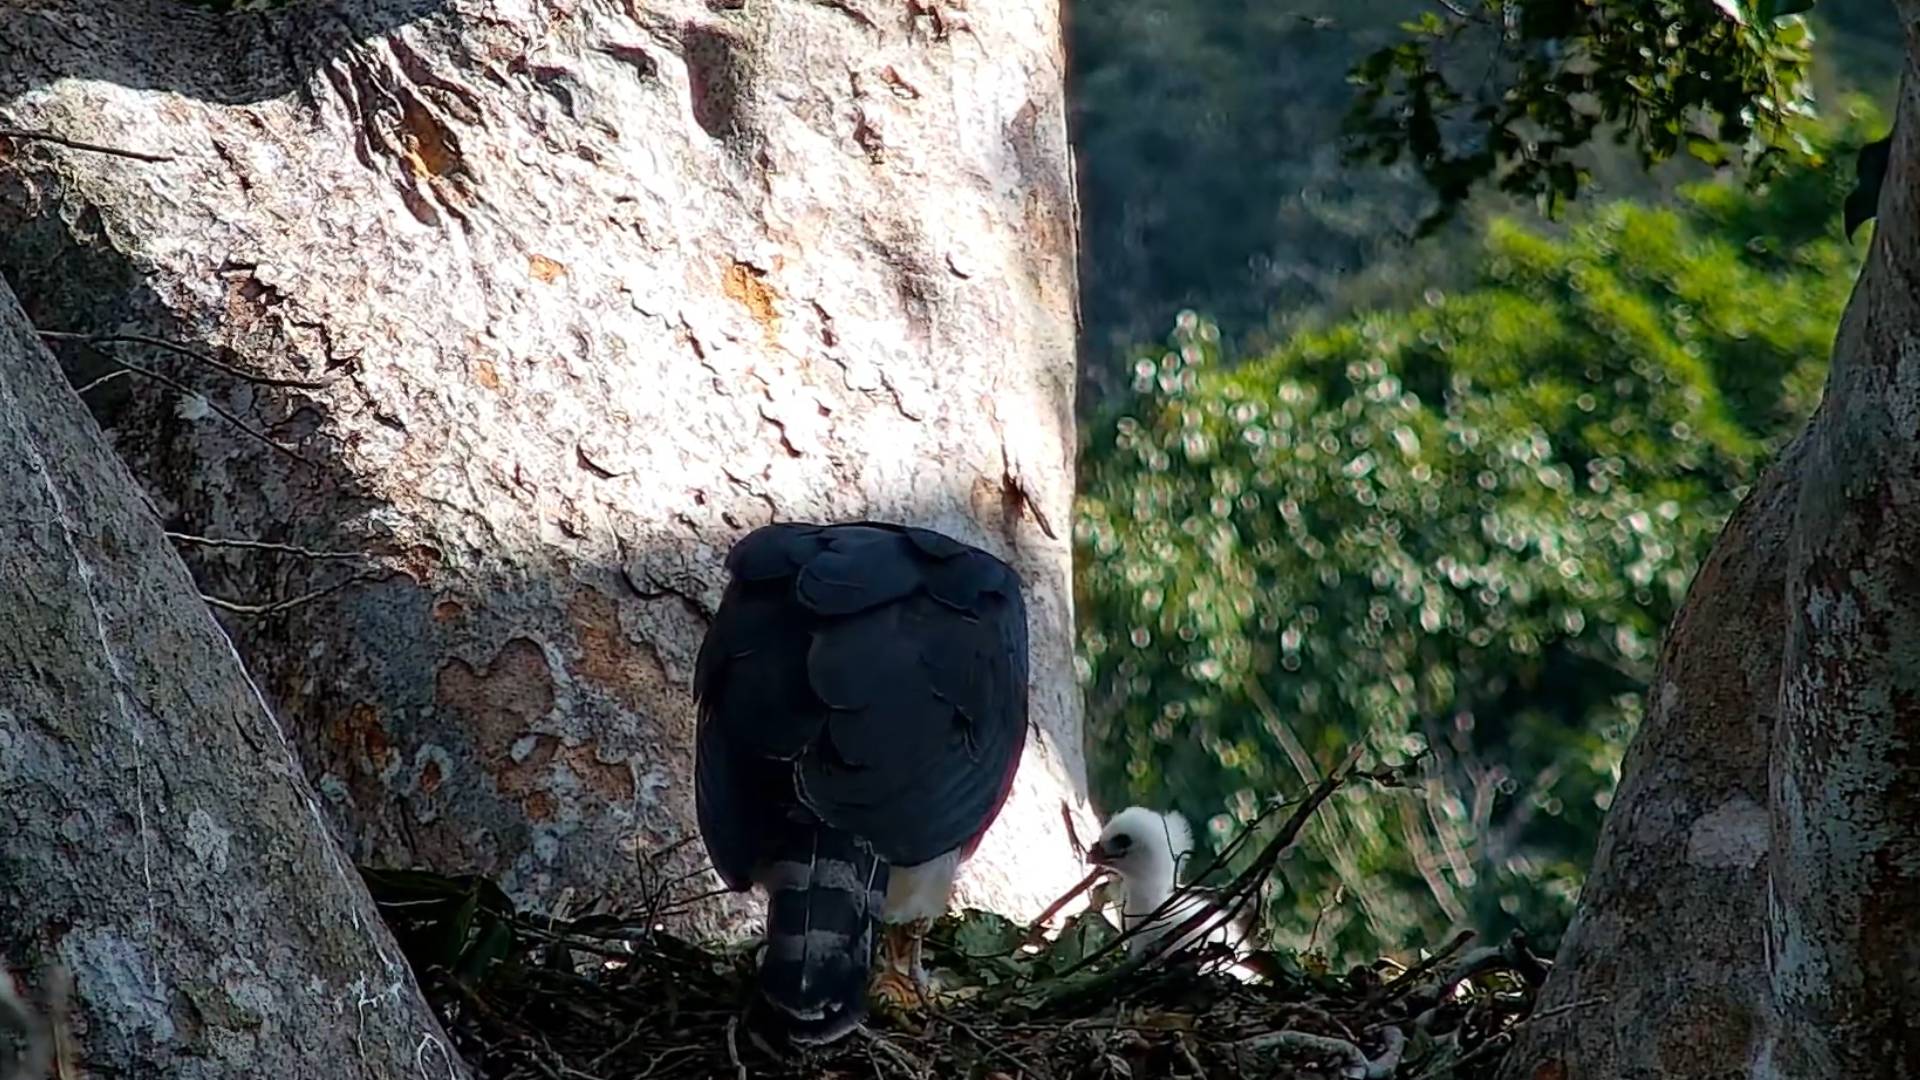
point(591, 289)
point(157, 839)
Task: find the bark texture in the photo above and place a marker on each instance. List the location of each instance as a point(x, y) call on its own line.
point(1751, 909)
point(158, 839)
point(582, 290)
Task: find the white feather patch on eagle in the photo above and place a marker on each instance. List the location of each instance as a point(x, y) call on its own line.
point(921, 892)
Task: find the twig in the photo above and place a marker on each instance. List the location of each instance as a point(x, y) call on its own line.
point(913, 1066)
point(1239, 890)
point(1073, 835)
point(263, 545)
point(1019, 1067)
point(1405, 981)
point(733, 1048)
point(1388, 1061)
point(1512, 955)
point(224, 414)
point(1035, 931)
point(1501, 1042)
point(278, 606)
point(96, 341)
point(26, 135)
point(1356, 1058)
point(116, 373)
point(1313, 936)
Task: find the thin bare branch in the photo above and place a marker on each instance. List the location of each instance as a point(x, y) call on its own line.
point(117, 373)
point(263, 545)
point(278, 606)
point(221, 411)
point(101, 342)
point(34, 135)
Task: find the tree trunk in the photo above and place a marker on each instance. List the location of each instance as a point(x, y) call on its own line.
point(1752, 908)
point(562, 298)
point(159, 841)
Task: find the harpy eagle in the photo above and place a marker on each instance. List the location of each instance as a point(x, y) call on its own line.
point(862, 710)
point(1146, 850)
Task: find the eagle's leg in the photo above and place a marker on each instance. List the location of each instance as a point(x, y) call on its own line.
point(900, 979)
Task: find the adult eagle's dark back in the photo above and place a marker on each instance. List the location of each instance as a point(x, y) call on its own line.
point(863, 708)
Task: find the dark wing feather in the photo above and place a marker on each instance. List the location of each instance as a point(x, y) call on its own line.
point(928, 693)
point(757, 711)
point(875, 674)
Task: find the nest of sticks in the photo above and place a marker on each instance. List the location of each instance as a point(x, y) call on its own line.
point(614, 996)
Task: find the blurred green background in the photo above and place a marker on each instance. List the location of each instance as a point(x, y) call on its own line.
point(1436, 496)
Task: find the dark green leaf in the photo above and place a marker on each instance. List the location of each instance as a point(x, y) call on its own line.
point(1768, 10)
point(493, 945)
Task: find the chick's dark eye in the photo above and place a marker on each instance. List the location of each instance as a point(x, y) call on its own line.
point(1121, 842)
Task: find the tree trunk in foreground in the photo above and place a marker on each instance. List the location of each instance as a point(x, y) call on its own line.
point(158, 840)
point(577, 293)
point(1755, 906)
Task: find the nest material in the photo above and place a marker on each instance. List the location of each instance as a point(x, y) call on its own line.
point(667, 1008)
point(619, 998)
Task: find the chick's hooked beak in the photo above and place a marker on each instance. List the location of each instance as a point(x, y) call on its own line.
point(1098, 855)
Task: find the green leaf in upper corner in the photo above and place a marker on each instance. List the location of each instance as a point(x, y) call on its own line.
point(1768, 10)
point(1870, 171)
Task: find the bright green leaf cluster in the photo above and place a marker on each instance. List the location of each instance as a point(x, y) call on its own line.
point(1457, 529)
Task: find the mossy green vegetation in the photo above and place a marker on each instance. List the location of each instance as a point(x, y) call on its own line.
point(1454, 531)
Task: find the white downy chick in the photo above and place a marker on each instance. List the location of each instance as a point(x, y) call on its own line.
point(1147, 850)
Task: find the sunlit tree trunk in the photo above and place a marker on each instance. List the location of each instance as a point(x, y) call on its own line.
point(540, 306)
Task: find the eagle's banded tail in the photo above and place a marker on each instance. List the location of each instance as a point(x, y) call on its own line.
point(825, 894)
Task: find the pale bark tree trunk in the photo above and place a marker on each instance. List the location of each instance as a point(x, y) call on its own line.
point(1755, 906)
point(588, 289)
point(158, 840)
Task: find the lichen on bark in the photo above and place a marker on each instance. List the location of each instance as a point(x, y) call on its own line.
point(160, 843)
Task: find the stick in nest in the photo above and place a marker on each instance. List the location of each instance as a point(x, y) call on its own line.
point(733, 1048)
point(1240, 891)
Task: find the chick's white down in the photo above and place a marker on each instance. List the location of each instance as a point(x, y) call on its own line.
point(1147, 850)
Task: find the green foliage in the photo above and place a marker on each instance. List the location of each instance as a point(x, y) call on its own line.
point(1457, 529)
point(1213, 178)
point(1663, 75)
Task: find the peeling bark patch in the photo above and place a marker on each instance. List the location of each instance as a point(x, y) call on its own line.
point(714, 77)
point(431, 777)
point(427, 146)
point(208, 841)
point(1735, 833)
point(610, 661)
point(545, 270)
point(363, 739)
point(522, 778)
point(498, 704)
point(748, 287)
point(107, 967)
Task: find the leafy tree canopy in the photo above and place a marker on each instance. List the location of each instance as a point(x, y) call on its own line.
point(1712, 77)
point(1456, 527)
